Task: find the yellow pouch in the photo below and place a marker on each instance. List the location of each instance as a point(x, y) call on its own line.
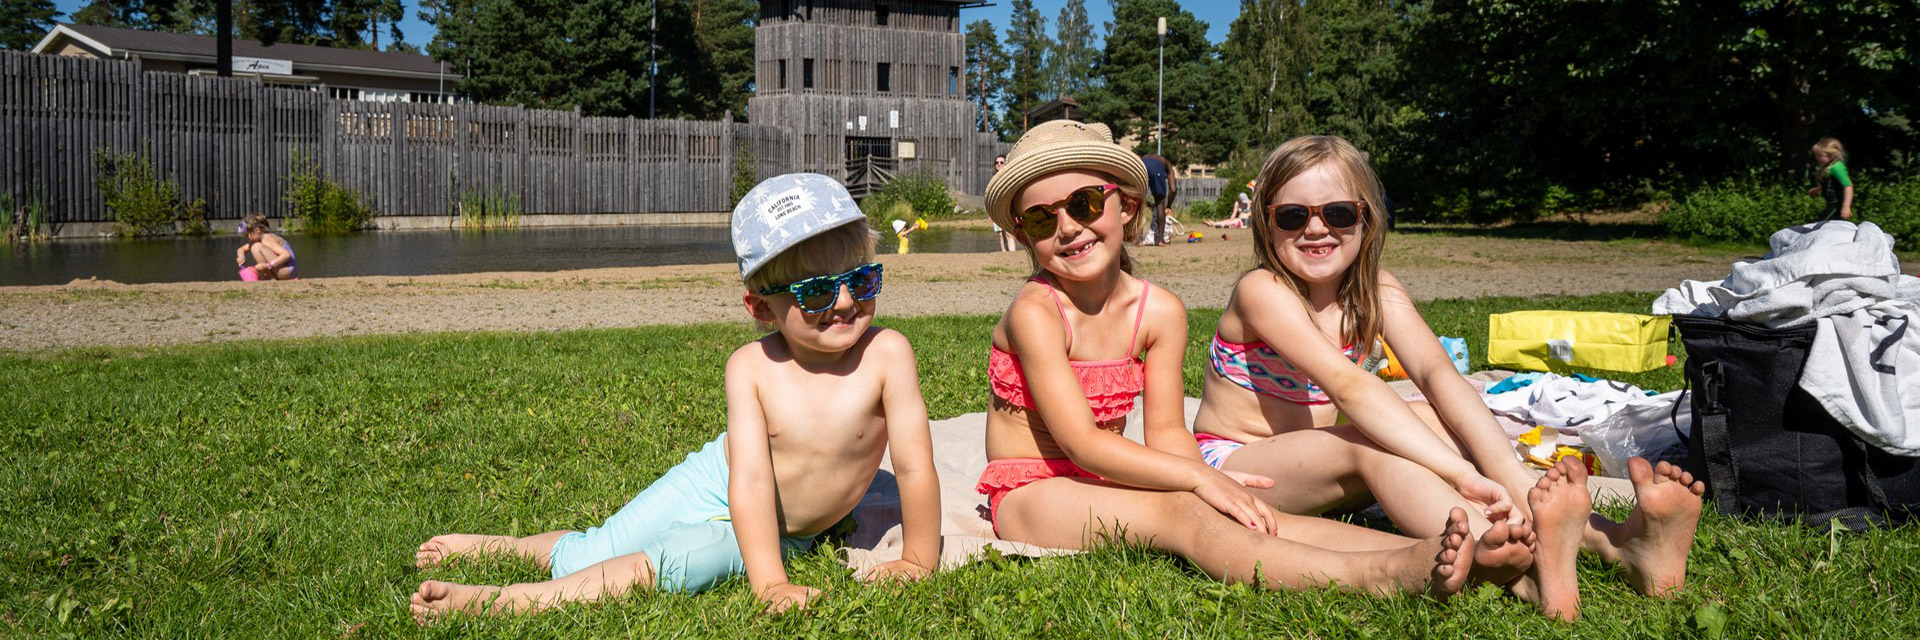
point(1540, 448)
point(1562, 341)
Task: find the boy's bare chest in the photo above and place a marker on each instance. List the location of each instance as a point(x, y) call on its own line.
point(836, 411)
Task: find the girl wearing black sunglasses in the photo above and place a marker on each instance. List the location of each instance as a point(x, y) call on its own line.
point(1290, 393)
point(1084, 344)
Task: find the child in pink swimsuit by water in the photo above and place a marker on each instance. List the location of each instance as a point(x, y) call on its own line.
point(272, 256)
point(1288, 393)
point(1083, 343)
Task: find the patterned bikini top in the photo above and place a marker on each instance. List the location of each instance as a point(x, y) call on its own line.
point(1110, 385)
point(1256, 367)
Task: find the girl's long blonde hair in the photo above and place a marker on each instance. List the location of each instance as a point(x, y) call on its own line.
point(1833, 149)
point(1360, 288)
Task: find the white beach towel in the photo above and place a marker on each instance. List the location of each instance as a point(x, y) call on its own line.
point(1845, 279)
point(959, 455)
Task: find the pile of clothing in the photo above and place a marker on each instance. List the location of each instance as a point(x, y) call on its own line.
point(1845, 279)
point(1602, 421)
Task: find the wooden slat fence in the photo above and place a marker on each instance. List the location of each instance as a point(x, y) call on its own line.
point(1198, 190)
point(230, 141)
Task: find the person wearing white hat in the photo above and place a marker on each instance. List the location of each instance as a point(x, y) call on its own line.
point(839, 393)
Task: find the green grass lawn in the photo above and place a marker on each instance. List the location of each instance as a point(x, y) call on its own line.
point(255, 489)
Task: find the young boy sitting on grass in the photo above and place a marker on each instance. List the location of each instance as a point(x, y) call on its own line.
point(811, 408)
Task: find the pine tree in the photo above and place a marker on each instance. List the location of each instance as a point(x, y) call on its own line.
point(24, 22)
point(357, 23)
point(593, 54)
point(987, 65)
point(342, 23)
point(174, 16)
point(1027, 46)
point(714, 61)
point(1070, 64)
point(1129, 79)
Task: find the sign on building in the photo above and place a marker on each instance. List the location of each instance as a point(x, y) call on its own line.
point(262, 65)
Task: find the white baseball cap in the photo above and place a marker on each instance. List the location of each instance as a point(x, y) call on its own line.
point(785, 210)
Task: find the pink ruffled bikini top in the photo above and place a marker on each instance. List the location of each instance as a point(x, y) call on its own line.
point(1110, 385)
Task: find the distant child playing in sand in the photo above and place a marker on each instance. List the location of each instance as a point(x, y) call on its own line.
point(272, 256)
point(1833, 183)
point(811, 409)
point(1288, 394)
point(1085, 341)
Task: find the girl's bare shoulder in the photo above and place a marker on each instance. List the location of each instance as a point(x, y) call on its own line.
point(1163, 303)
point(1261, 285)
point(1030, 299)
point(1392, 290)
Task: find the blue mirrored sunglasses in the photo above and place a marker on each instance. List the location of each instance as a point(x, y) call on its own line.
point(818, 293)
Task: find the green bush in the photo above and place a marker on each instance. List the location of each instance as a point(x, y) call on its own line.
point(1204, 210)
point(137, 198)
point(320, 204)
point(1740, 211)
point(1423, 194)
point(489, 208)
point(1894, 205)
point(744, 175)
point(924, 194)
point(26, 218)
point(193, 219)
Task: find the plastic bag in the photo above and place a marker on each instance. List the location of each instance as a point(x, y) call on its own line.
point(1643, 429)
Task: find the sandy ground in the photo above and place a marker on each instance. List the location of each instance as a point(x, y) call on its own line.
point(87, 313)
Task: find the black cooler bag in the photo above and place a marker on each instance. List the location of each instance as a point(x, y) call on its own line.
point(1766, 448)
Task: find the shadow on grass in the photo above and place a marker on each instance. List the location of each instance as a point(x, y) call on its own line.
point(1557, 230)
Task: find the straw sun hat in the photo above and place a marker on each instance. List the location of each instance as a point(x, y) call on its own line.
point(1058, 145)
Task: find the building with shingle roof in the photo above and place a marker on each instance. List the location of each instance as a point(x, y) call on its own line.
point(359, 74)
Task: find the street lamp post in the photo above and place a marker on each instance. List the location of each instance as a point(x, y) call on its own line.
point(1160, 93)
point(653, 45)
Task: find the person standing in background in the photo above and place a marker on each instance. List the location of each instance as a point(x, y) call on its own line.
point(1831, 181)
point(1159, 185)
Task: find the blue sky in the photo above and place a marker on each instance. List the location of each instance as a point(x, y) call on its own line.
point(1218, 14)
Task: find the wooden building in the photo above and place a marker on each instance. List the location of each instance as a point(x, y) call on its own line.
point(865, 83)
point(352, 74)
point(1061, 108)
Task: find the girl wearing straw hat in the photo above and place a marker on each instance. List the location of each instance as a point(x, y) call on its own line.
point(1083, 342)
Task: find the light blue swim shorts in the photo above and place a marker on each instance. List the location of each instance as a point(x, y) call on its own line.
point(680, 522)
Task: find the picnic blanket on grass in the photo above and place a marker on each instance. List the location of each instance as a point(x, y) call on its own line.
point(960, 454)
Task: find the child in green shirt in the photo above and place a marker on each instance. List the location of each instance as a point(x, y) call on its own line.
point(1832, 181)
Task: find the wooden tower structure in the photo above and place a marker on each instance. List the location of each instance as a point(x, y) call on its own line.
point(870, 88)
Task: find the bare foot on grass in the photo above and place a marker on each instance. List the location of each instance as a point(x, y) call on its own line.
point(1502, 554)
point(435, 599)
point(436, 550)
point(1658, 535)
point(1449, 557)
point(1560, 505)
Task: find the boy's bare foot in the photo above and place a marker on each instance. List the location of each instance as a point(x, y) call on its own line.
point(1658, 535)
point(438, 549)
point(1502, 554)
point(1560, 505)
point(435, 599)
point(1448, 558)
